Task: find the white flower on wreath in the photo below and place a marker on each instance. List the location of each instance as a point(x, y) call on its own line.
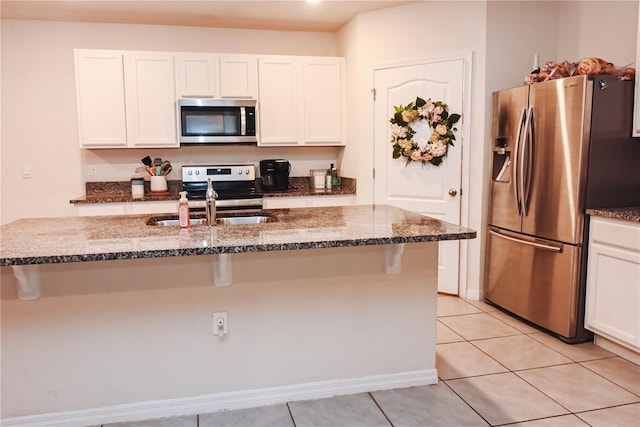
point(437, 116)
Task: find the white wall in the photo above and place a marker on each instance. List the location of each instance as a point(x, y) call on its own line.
point(402, 34)
point(39, 125)
point(604, 29)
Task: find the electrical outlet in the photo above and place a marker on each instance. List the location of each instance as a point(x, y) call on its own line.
point(220, 326)
point(26, 171)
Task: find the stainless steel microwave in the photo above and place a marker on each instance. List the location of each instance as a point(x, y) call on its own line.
point(216, 121)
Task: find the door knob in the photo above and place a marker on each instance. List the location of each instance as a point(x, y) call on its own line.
point(453, 192)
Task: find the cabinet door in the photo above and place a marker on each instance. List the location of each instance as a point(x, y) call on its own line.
point(320, 201)
point(150, 99)
point(310, 201)
point(152, 207)
point(323, 80)
point(613, 282)
point(196, 76)
point(100, 99)
point(285, 202)
point(238, 76)
point(101, 209)
point(280, 101)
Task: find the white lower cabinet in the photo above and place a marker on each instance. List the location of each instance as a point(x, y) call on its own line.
point(171, 207)
point(307, 202)
point(613, 282)
point(101, 209)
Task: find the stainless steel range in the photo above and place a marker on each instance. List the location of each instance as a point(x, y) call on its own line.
point(235, 184)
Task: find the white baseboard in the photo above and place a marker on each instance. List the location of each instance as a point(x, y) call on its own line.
point(475, 294)
point(224, 401)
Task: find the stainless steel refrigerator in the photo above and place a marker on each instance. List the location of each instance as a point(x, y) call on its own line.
point(558, 147)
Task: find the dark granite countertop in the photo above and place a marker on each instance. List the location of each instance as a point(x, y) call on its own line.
point(626, 214)
point(75, 239)
point(120, 191)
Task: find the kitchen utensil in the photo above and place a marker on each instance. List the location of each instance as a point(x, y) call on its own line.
point(157, 166)
point(165, 168)
point(146, 161)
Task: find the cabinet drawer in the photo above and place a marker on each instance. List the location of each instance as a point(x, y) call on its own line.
point(614, 232)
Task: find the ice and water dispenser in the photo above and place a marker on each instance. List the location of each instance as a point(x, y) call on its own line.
point(501, 162)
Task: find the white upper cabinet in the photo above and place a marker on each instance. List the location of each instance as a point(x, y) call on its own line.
point(128, 99)
point(280, 99)
point(238, 76)
point(125, 99)
point(323, 85)
point(150, 99)
point(197, 76)
point(301, 100)
point(100, 99)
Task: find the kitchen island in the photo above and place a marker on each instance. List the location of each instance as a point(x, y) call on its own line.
point(323, 301)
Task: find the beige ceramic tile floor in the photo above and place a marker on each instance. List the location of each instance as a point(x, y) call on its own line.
point(494, 370)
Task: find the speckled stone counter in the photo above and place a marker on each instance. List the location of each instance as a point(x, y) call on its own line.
point(120, 191)
point(73, 239)
point(626, 214)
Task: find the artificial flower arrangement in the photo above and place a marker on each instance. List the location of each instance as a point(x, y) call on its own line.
point(591, 66)
point(436, 114)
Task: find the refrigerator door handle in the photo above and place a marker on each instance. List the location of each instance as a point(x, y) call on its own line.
point(525, 242)
point(527, 161)
point(517, 155)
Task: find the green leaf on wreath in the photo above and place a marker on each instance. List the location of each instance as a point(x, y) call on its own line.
point(436, 161)
point(420, 102)
point(453, 118)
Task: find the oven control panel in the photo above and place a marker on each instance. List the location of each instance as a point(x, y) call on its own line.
point(200, 173)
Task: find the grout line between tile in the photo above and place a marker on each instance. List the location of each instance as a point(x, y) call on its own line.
point(380, 408)
point(466, 403)
point(291, 414)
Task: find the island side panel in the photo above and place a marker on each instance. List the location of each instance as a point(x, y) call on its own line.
point(117, 332)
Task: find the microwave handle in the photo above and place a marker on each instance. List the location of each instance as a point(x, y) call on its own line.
point(243, 121)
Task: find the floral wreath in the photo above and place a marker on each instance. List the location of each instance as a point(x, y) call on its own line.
point(438, 118)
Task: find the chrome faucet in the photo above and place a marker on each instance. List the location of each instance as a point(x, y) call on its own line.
point(210, 204)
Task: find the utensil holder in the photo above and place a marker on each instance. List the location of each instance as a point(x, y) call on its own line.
point(158, 184)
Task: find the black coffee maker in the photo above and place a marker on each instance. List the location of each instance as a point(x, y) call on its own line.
point(274, 174)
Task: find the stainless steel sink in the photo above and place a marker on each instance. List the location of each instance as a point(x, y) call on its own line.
point(174, 222)
point(236, 218)
point(255, 219)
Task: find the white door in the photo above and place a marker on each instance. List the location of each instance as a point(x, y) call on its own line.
point(426, 189)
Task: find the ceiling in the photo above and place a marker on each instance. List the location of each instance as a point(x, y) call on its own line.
point(282, 15)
